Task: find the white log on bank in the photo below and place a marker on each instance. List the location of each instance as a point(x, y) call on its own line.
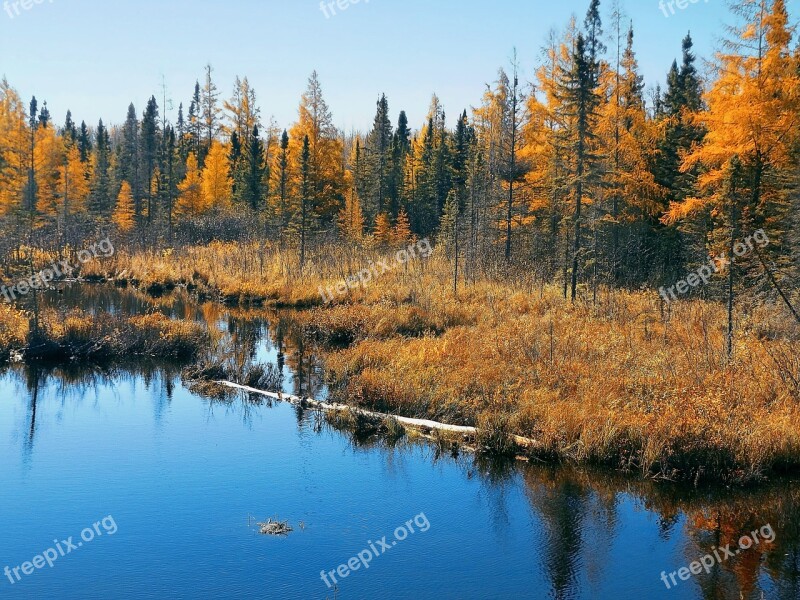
point(419, 425)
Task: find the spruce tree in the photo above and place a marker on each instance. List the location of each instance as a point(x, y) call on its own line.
point(401, 147)
point(149, 146)
point(101, 195)
point(255, 174)
point(581, 101)
point(70, 132)
point(128, 165)
point(84, 142)
point(379, 147)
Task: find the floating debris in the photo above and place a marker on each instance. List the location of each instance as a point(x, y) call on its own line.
point(275, 527)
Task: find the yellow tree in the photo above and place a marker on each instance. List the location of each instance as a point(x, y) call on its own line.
point(217, 184)
point(545, 149)
point(383, 229)
point(243, 113)
point(190, 190)
point(752, 114)
point(124, 211)
point(48, 158)
point(351, 218)
point(326, 175)
point(74, 184)
point(155, 192)
point(14, 143)
point(752, 129)
point(402, 228)
point(630, 139)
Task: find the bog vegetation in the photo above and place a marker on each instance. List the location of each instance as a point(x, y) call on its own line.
point(557, 208)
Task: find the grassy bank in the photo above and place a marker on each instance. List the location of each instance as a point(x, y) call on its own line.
point(13, 330)
point(102, 338)
point(619, 381)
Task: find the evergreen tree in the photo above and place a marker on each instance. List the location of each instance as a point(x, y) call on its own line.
point(581, 102)
point(594, 41)
point(85, 142)
point(70, 131)
point(284, 215)
point(210, 109)
point(101, 195)
point(401, 147)
point(256, 174)
point(44, 116)
point(305, 197)
point(379, 145)
point(128, 160)
point(149, 147)
point(424, 210)
point(194, 128)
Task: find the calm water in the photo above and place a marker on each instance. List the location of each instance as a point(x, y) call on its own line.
point(177, 476)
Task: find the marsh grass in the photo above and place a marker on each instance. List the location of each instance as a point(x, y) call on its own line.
point(623, 381)
point(100, 338)
point(13, 330)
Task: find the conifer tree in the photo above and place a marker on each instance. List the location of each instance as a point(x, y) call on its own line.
point(402, 229)
point(217, 183)
point(305, 197)
point(128, 165)
point(379, 148)
point(581, 102)
point(256, 175)
point(191, 200)
point(85, 142)
point(149, 146)
point(401, 147)
point(124, 216)
point(209, 110)
point(382, 232)
point(101, 195)
point(325, 173)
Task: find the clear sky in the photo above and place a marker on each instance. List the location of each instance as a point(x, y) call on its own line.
point(97, 56)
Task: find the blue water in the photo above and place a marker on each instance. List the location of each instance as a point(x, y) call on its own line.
point(181, 480)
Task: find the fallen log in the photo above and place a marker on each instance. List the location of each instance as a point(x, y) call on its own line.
point(420, 426)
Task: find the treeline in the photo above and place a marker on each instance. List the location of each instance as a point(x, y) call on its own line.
point(578, 175)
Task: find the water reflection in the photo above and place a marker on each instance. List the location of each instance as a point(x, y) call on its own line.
point(582, 517)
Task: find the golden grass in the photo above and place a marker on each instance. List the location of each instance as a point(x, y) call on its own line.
point(613, 384)
point(616, 383)
point(104, 337)
point(13, 330)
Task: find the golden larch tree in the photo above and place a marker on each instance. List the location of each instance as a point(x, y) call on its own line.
point(124, 211)
point(190, 190)
point(217, 184)
point(325, 170)
point(14, 143)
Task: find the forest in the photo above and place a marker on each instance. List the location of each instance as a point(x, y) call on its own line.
point(558, 207)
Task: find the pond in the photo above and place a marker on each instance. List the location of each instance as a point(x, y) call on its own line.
point(132, 484)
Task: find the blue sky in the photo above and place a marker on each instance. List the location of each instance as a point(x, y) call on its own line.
point(96, 56)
